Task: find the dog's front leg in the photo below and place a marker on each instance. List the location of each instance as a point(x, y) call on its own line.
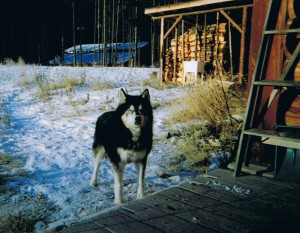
point(98, 156)
point(118, 186)
point(140, 167)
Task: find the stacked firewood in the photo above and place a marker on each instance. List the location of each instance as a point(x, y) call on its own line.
point(197, 44)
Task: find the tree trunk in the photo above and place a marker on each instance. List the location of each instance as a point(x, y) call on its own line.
point(74, 32)
point(104, 34)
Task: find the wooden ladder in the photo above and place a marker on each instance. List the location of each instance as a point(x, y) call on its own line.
point(253, 117)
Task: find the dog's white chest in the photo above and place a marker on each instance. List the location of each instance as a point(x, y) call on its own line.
point(130, 156)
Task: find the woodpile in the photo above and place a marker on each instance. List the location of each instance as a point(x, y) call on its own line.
point(198, 43)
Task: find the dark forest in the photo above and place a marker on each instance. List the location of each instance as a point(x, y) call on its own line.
point(38, 30)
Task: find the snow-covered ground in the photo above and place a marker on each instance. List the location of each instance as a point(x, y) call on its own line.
point(52, 138)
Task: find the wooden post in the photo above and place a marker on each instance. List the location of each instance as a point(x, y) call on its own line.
point(242, 48)
point(161, 47)
point(216, 57)
point(196, 38)
point(74, 32)
point(205, 38)
point(152, 43)
point(230, 48)
point(182, 48)
point(175, 55)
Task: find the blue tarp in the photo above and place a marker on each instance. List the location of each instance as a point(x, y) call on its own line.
point(90, 48)
point(123, 52)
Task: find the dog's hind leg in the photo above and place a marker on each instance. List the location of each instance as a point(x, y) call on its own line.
point(99, 152)
point(118, 186)
point(140, 167)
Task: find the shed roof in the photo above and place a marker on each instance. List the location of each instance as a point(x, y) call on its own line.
point(195, 7)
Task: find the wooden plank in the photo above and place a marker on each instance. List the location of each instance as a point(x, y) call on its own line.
point(263, 196)
point(255, 195)
point(240, 214)
point(282, 190)
point(144, 213)
point(208, 191)
point(161, 49)
point(219, 207)
point(252, 169)
point(242, 47)
point(203, 202)
point(282, 32)
point(245, 202)
point(133, 227)
point(173, 26)
point(178, 193)
point(214, 221)
point(154, 200)
point(273, 185)
point(167, 224)
point(174, 207)
point(84, 227)
point(111, 218)
point(181, 6)
point(277, 138)
point(276, 83)
point(231, 21)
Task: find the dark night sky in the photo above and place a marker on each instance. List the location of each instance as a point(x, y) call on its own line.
point(33, 29)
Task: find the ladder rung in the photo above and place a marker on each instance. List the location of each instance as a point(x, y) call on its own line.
point(282, 32)
point(275, 138)
point(277, 83)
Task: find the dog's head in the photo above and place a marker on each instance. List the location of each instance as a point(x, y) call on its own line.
point(136, 111)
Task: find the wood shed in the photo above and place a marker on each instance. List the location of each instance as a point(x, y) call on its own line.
point(203, 30)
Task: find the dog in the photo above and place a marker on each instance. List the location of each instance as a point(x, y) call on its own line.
point(125, 135)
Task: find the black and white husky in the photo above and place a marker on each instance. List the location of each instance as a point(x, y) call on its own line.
point(125, 135)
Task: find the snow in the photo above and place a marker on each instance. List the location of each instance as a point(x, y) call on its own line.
point(53, 138)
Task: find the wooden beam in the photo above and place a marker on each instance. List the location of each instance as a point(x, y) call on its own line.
point(175, 57)
point(205, 38)
point(173, 26)
point(180, 6)
point(161, 48)
point(230, 49)
point(182, 48)
point(201, 12)
point(231, 21)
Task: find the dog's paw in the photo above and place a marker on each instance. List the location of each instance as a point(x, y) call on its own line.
point(94, 183)
point(140, 195)
point(118, 202)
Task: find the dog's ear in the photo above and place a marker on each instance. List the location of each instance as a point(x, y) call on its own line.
point(146, 94)
point(123, 96)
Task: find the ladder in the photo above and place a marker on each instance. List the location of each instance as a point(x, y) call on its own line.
point(253, 117)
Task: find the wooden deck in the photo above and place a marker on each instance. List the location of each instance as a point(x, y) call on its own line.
point(215, 203)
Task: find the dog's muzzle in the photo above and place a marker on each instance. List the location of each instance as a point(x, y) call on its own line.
point(138, 120)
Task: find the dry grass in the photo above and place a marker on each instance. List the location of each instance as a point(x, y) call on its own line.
point(97, 85)
point(214, 105)
point(21, 223)
point(45, 87)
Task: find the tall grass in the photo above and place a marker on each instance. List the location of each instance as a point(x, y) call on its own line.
point(11, 62)
point(215, 132)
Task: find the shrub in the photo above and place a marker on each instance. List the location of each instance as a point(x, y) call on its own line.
point(19, 223)
point(213, 130)
point(20, 61)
